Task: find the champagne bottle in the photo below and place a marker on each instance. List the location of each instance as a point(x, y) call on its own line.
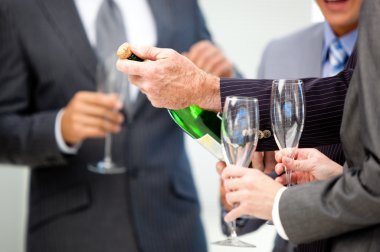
point(201, 125)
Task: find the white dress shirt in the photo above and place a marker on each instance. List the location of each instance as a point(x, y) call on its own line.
point(276, 215)
point(140, 29)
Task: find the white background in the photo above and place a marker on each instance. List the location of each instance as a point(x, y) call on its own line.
point(241, 28)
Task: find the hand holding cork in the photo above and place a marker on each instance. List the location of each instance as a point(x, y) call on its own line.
point(169, 79)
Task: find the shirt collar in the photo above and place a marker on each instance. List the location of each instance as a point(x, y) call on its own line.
point(348, 41)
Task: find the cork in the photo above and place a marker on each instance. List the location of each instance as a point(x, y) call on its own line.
point(124, 52)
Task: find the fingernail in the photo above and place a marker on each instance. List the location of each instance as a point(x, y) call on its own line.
point(287, 160)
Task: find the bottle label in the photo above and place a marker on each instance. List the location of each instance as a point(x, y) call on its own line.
point(211, 145)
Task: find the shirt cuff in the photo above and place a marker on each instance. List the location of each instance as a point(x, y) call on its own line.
point(63, 147)
point(276, 215)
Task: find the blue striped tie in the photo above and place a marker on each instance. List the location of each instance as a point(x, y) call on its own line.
point(337, 57)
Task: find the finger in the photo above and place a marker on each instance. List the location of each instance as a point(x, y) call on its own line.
point(215, 61)
point(150, 52)
point(108, 101)
point(100, 112)
point(280, 154)
point(132, 67)
point(92, 132)
point(283, 180)
point(279, 168)
point(233, 197)
point(257, 160)
point(197, 50)
point(220, 166)
point(207, 59)
point(269, 161)
point(222, 69)
point(232, 184)
point(297, 165)
point(223, 196)
point(234, 214)
point(233, 171)
point(100, 123)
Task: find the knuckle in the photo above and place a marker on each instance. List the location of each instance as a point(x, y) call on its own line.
point(245, 195)
point(77, 95)
point(75, 106)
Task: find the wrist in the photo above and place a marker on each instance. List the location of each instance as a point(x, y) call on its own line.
point(209, 92)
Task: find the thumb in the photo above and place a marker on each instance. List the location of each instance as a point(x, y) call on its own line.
point(147, 52)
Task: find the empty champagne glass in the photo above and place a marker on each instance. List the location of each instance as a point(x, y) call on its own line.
point(287, 116)
point(109, 81)
point(240, 128)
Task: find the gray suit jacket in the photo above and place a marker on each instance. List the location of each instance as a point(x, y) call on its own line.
point(298, 55)
point(45, 59)
point(348, 207)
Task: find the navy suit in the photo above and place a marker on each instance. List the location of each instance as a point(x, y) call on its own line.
point(45, 59)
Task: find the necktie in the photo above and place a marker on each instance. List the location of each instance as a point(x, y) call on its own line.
point(110, 34)
point(337, 57)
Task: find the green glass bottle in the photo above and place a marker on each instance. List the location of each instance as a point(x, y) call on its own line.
point(202, 125)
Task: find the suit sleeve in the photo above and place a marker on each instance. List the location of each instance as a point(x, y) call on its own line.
point(324, 106)
point(26, 137)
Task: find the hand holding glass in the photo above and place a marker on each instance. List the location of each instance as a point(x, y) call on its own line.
point(287, 116)
point(240, 128)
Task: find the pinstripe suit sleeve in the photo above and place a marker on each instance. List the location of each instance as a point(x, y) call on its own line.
point(324, 105)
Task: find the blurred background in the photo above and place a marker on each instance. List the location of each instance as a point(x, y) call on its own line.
point(241, 28)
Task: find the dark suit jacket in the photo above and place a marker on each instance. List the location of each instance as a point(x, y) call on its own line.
point(45, 59)
point(345, 209)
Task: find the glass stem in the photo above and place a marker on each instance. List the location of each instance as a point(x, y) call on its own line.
point(233, 234)
point(107, 151)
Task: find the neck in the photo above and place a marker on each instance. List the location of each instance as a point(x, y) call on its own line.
point(341, 31)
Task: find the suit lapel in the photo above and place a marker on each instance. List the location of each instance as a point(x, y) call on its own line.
point(316, 43)
point(63, 16)
point(162, 14)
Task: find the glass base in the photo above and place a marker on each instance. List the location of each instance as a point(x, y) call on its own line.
point(234, 242)
point(103, 167)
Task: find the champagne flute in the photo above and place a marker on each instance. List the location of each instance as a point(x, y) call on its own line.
point(287, 117)
point(240, 128)
point(109, 81)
